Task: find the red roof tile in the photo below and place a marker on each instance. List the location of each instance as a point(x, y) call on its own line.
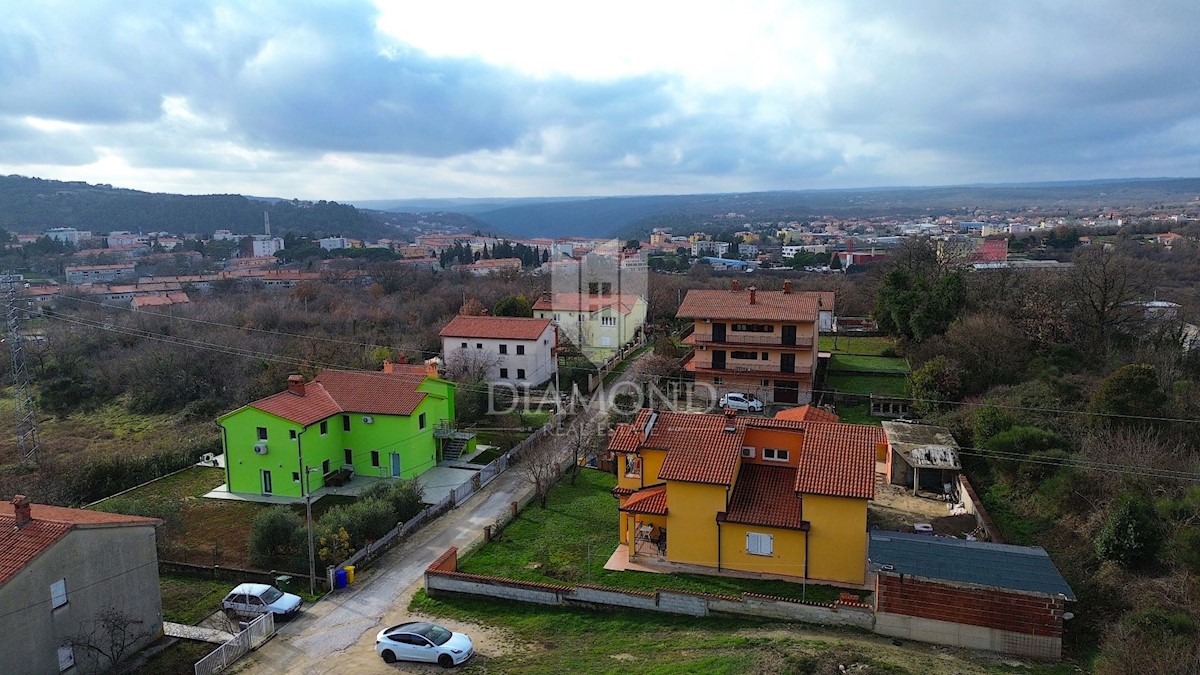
point(579, 302)
point(49, 524)
point(765, 495)
point(339, 391)
point(839, 460)
point(495, 327)
point(768, 305)
point(651, 501)
point(699, 448)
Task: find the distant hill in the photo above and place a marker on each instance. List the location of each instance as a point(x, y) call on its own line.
point(31, 205)
point(627, 216)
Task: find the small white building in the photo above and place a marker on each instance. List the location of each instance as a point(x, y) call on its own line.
point(511, 350)
point(225, 235)
point(713, 248)
point(68, 235)
point(262, 246)
point(331, 243)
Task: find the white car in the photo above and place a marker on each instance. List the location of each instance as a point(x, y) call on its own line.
point(740, 401)
point(423, 641)
point(256, 599)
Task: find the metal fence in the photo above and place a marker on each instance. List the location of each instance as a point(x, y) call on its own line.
point(457, 496)
point(256, 633)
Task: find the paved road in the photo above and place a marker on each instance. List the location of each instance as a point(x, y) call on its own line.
point(337, 635)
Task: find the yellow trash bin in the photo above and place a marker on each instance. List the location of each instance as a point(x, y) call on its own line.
point(349, 574)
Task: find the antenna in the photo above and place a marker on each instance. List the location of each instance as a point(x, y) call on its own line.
point(28, 447)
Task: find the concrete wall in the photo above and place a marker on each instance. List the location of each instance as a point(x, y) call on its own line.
point(969, 616)
point(109, 567)
point(974, 505)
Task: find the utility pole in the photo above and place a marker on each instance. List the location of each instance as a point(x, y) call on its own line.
point(312, 560)
point(28, 447)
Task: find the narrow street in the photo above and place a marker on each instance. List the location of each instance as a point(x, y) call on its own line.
point(337, 635)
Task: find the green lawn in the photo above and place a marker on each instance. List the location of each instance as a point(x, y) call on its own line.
point(571, 539)
point(178, 659)
point(855, 363)
point(189, 600)
point(870, 346)
point(858, 414)
point(865, 384)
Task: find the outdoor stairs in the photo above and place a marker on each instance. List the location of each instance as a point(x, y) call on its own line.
point(454, 449)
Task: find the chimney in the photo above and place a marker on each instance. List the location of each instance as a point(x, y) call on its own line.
point(296, 384)
point(787, 287)
point(21, 510)
point(752, 289)
point(387, 366)
point(735, 286)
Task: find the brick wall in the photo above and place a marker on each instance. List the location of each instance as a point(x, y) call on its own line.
point(446, 562)
point(1014, 612)
point(975, 507)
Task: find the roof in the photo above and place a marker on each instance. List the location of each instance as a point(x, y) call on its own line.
point(923, 446)
point(835, 459)
point(768, 305)
point(578, 302)
point(498, 327)
point(807, 413)
point(20, 547)
point(1018, 568)
point(651, 501)
point(339, 391)
point(765, 495)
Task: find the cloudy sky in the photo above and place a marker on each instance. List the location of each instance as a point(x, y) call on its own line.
point(354, 100)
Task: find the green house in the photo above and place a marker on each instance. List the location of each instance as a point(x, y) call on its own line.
point(341, 424)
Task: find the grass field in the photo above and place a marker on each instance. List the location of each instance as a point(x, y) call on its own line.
point(188, 600)
point(866, 384)
point(571, 539)
point(867, 346)
point(855, 363)
point(858, 414)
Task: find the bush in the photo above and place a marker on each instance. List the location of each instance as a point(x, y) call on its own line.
point(333, 545)
point(96, 478)
point(276, 534)
point(364, 520)
point(1041, 465)
point(1007, 448)
point(403, 496)
point(988, 421)
point(937, 380)
point(1130, 535)
point(1187, 548)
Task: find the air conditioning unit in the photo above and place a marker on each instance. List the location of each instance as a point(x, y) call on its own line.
point(260, 448)
point(367, 419)
point(207, 457)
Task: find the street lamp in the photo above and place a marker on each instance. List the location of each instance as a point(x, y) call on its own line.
point(312, 560)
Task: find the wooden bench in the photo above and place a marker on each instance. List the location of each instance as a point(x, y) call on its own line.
point(338, 478)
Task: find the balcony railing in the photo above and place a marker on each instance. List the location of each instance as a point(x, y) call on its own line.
point(773, 368)
point(764, 339)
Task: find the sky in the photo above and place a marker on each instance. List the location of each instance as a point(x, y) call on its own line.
point(347, 100)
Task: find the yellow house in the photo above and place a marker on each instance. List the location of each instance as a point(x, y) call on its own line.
point(770, 496)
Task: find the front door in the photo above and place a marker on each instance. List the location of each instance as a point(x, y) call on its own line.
point(395, 465)
point(266, 482)
point(787, 363)
point(789, 335)
point(718, 362)
point(718, 332)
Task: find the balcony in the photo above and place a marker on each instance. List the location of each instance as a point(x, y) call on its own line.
point(757, 339)
point(801, 370)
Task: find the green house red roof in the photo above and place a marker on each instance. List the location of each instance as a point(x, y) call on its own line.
point(334, 392)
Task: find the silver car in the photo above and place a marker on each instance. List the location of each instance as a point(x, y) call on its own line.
point(255, 599)
point(739, 401)
point(423, 641)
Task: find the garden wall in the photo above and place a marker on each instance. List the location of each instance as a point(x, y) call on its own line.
point(974, 506)
point(440, 580)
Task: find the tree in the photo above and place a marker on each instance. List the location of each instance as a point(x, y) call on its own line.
point(276, 534)
point(540, 465)
point(1103, 287)
point(584, 436)
point(473, 307)
point(1130, 535)
point(972, 340)
point(1130, 391)
point(937, 380)
point(513, 305)
point(109, 637)
point(920, 296)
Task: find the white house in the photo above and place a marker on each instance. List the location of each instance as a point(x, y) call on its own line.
point(513, 350)
point(331, 243)
point(715, 248)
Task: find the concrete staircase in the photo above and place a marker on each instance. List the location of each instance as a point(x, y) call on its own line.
point(454, 449)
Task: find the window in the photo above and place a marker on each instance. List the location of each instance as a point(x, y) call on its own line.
point(753, 328)
point(766, 356)
point(295, 476)
point(345, 423)
point(775, 455)
point(520, 373)
point(581, 317)
point(608, 321)
point(503, 349)
point(520, 350)
point(262, 433)
point(555, 317)
point(748, 452)
point(292, 434)
point(504, 372)
point(633, 465)
point(464, 345)
point(478, 345)
point(421, 421)
point(324, 428)
point(325, 466)
point(752, 356)
point(348, 455)
point(759, 544)
point(764, 383)
point(66, 657)
point(717, 380)
point(542, 316)
point(58, 594)
point(374, 458)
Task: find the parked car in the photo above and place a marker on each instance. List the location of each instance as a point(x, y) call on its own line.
point(256, 599)
point(423, 641)
point(739, 401)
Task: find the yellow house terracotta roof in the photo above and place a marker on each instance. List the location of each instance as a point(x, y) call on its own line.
point(650, 501)
point(765, 495)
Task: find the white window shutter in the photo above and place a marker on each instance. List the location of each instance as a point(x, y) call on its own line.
point(66, 657)
point(58, 593)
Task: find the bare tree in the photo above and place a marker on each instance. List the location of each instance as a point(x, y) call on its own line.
point(1102, 288)
point(540, 465)
point(584, 436)
point(470, 365)
point(110, 637)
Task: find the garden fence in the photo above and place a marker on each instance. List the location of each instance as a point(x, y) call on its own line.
point(256, 633)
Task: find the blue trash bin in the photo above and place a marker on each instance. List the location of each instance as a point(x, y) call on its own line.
point(339, 578)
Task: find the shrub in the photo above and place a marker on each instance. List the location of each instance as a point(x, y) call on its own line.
point(276, 534)
point(937, 380)
point(96, 478)
point(988, 421)
point(1187, 548)
point(333, 545)
point(365, 520)
point(1041, 465)
point(1130, 535)
point(403, 496)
